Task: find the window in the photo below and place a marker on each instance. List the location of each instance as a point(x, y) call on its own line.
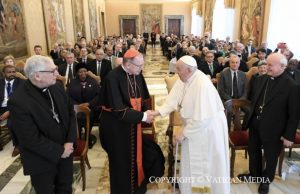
point(196, 23)
point(283, 20)
point(223, 21)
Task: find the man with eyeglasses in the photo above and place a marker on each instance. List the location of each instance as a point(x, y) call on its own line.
point(122, 98)
point(45, 127)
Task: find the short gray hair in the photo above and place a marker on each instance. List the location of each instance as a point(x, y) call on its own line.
point(36, 63)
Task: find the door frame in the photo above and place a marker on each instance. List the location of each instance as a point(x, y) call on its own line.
point(122, 17)
point(180, 17)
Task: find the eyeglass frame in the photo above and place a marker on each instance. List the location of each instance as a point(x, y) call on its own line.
point(48, 71)
point(139, 66)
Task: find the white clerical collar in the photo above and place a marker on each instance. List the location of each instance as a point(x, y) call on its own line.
point(125, 69)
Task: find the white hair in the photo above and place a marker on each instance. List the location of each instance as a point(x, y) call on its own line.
point(36, 63)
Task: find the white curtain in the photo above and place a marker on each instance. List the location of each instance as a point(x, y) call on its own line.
point(196, 23)
point(223, 21)
point(283, 21)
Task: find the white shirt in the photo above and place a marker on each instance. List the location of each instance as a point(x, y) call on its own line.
point(5, 99)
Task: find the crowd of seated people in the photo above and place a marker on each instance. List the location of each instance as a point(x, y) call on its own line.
point(82, 67)
point(213, 56)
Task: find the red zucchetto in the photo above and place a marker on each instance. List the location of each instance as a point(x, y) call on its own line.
point(130, 53)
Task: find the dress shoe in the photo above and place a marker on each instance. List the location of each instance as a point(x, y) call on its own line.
point(244, 177)
point(15, 152)
point(263, 188)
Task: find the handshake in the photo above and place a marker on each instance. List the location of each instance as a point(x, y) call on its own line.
point(151, 114)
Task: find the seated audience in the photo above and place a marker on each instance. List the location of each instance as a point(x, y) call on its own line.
point(8, 85)
point(83, 90)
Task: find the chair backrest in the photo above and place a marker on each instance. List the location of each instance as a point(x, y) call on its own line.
point(175, 118)
point(86, 111)
point(149, 129)
point(252, 71)
point(150, 103)
point(251, 61)
point(170, 81)
point(233, 111)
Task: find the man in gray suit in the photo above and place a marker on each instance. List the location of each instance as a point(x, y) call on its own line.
point(232, 83)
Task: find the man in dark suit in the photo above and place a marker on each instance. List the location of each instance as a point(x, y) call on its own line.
point(146, 38)
point(264, 45)
point(153, 39)
point(118, 50)
point(62, 57)
point(100, 67)
point(272, 121)
point(232, 84)
point(210, 67)
point(249, 49)
point(293, 71)
point(84, 56)
point(8, 85)
point(45, 127)
point(67, 70)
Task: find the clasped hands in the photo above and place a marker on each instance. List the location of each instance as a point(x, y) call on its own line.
point(151, 114)
point(68, 150)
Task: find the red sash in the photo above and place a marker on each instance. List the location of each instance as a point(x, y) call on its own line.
point(136, 103)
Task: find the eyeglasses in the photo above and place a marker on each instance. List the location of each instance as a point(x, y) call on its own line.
point(139, 66)
point(49, 71)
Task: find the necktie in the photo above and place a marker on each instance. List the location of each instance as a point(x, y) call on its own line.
point(70, 74)
point(211, 68)
point(8, 89)
point(84, 60)
point(99, 68)
point(234, 86)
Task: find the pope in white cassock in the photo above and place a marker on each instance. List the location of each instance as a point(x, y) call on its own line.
point(204, 139)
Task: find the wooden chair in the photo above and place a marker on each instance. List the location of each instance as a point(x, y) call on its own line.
point(149, 129)
point(238, 137)
point(80, 154)
point(251, 61)
point(252, 71)
point(281, 156)
point(175, 125)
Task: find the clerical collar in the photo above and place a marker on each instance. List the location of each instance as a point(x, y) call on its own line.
point(277, 77)
point(125, 70)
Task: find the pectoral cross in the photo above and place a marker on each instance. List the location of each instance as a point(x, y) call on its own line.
point(55, 116)
point(260, 108)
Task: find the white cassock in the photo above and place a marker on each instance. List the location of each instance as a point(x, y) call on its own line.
point(204, 151)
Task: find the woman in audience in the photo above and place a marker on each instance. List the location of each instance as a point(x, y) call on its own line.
point(83, 90)
point(10, 60)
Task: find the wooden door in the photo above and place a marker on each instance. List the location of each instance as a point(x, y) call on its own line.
point(174, 27)
point(129, 26)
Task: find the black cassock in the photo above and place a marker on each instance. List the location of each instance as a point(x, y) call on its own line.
point(118, 131)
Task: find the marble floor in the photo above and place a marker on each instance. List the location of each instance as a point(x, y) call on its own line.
point(12, 180)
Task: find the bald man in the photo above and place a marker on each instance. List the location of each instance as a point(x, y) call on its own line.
point(273, 120)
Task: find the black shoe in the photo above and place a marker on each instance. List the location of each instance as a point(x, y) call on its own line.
point(263, 188)
point(1, 147)
point(92, 141)
point(244, 177)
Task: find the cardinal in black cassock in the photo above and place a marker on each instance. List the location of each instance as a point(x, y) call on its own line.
point(132, 160)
